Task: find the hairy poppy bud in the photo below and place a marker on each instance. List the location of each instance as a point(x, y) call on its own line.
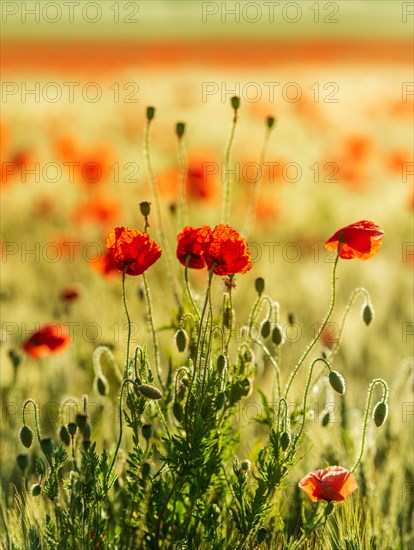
point(221, 363)
point(150, 113)
point(277, 335)
point(145, 469)
point(72, 428)
point(235, 102)
point(259, 285)
point(326, 419)
point(26, 436)
point(36, 490)
point(220, 399)
point(180, 129)
point(22, 460)
point(81, 420)
point(270, 121)
point(380, 413)
point(145, 208)
point(147, 431)
point(265, 328)
point(87, 431)
point(284, 440)
point(102, 385)
point(150, 392)
point(367, 313)
point(185, 381)
point(181, 340)
point(47, 445)
point(337, 382)
point(64, 435)
point(178, 411)
point(261, 535)
point(245, 465)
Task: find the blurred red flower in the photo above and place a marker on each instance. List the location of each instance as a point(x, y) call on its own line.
point(69, 294)
point(132, 249)
point(104, 264)
point(190, 244)
point(102, 209)
point(227, 252)
point(49, 339)
point(332, 483)
point(359, 240)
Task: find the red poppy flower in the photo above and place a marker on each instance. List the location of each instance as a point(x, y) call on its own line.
point(332, 483)
point(359, 240)
point(132, 249)
point(227, 251)
point(191, 241)
point(49, 339)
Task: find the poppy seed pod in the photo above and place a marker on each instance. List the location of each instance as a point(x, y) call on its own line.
point(72, 428)
point(277, 335)
point(26, 436)
point(265, 328)
point(145, 208)
point(180, 129)
point(337, 382)
point(235, 102)
point(36, 490)
point(22, 460)
point(64, 435)
point(150, 392)
point(259, 285)
point(147, 431)
point(285, 440)
point(270, 122)
point(150, 113)
point(181, 340)
point(367, 314)
point(380, 413)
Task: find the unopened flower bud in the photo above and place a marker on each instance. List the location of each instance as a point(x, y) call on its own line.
point(367, 313)
point(15, 358)
point(178, 411)
point(265, 328)
point(64, 435)
point(145, 208)
point(181, 340)
point(47, 445)
point(147, 431)
point(277, 335)
point(220, 400)
point(261, 535)
point(326, 419)
point(150, 113)
point(36, 490)
point(72, 428)
point(221, 363)
point(185, 381)
point(150, 392)
point(380, 413)
point(81, 420)
point(26, 436)
point(102, 385)
point(235, 102)
point(180, 129)
point(22, 460)
point(145, 469)
point(337, 382)
point(259, 285)
point(245, 465)
point(270, 121)
point(285, 440)
point(87, 431)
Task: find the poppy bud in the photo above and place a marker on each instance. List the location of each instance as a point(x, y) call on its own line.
point(326, 419)
point(145, 208)
point(36, 490)
point(367, 313)
point(81, 420)
point(87, 431)
point(181, 340)
point(265, 328)
point(22, 460)
point(220, 400)
point(380, 413)
point(86, 443)
point(15, 358)
point(245, 465)
point(146, 469)
point(150, 113)
point(64, 435)
point(180, 394)
point(337, 382)
point(270, 121)
point(147, 431)
point(259, 285)
point(235, 102)
point(150, 392)
point(47, 445)
point(248, 355)
point(277, 335)
point(291, 318)
point(284, 440)
point(72, 427)
point(102, 385)
point(26, 436)
point(179, 129)
point(185, 381)
point(261, 535)
point(178, 411)
point(221, 363)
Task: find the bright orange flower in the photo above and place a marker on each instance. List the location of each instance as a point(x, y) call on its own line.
point(359, 240)
point(102, 209)
point(104, 265)
point(132, 249)
point(227, 252)
point(49, 339)
point(191, 241)
point(332, 483)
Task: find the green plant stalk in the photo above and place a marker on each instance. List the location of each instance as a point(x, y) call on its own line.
point(124, 300)
point(153, 331)
point(32, 402)
point(384, 399)
point(318, 335)
point(182, 203)
point(187, 285)
point(228, 179)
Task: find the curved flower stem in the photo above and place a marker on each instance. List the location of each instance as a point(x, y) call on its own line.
point(182, 203)
point(163, 421)
point(348, 307)
point(231, 317)
point(164, 241)
point(271, 359)
point(228, 181)
point(96, 360)
point(305, 395)
point(251, 215)
point(285, 415)
point(366, 413)
point(317, 336)
point(128, 322)
point(154, 334)
point(32, 402)
point(187, 285)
